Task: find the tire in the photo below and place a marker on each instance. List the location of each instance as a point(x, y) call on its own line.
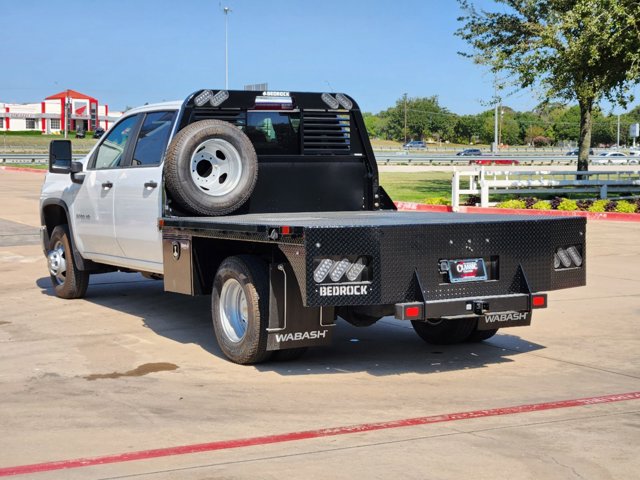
point(68, 281)
point(357, 319)
point(481, 335)
point(444, 332)
point(240, 309)
point(211, 168)
point(288, 354)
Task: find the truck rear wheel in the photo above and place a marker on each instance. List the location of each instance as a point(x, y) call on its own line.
point(481, 335)
point(444, 332)
point(240, 309)
point(68, 281)
point(211, 168)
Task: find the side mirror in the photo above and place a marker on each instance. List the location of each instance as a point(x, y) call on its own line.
point(60, 156)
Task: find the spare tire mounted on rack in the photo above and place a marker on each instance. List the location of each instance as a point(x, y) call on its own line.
point(210, 168)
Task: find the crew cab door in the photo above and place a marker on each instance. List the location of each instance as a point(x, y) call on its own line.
point(138, 193)
point(92, 210)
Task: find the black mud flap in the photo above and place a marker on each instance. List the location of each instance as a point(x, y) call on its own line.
point(491, 321)
point(291, 325)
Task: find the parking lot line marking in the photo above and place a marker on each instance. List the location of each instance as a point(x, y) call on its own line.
point(310, 434)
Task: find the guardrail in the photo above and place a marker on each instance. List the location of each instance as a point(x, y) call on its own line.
point(483, 182)
point(425, 159)
point(36, 158)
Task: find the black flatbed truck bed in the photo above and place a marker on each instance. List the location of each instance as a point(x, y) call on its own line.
point(403, 253)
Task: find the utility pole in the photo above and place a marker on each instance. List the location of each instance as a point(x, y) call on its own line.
point(405, 118)
point(226, 11)
point(495, 117)
point(618, 142)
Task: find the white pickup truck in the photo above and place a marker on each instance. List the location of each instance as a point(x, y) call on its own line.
point(270, 202)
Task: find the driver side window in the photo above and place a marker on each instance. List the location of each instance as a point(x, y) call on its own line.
point(111, 152)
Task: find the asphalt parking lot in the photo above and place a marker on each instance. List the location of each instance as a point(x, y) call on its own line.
point(131, 380)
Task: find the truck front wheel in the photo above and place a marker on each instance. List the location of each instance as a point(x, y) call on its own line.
point(68, 281)
point(240, 309)
point(444, 332)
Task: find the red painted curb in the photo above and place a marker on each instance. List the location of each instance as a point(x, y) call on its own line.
point(23, 169)
point(309, 434)
point(610, 216)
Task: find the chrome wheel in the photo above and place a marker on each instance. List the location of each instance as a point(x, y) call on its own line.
point(234, 311)
point(216, 167)
point(57, 263)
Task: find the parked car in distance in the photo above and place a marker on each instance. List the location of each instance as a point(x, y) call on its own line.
point(415, 144)
point(469, 152)
point(494, 161)
point(610, 158)
point(634, 152)
point(98, 132)
point(575, 151)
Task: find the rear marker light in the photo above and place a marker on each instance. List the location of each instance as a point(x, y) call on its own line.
point(322, 270)
point(340, 269)
point(575, 256)
point(203, 97)
point(539, 301)
point(219, 97)
point(355, 270)
point(329, 100)
point(344, 101)
point(412, 311)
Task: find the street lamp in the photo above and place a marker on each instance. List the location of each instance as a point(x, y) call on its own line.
point(226, 11)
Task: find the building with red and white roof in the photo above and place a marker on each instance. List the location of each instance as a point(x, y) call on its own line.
point(71, 108)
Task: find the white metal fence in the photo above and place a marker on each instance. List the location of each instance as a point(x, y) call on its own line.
point(483, 182)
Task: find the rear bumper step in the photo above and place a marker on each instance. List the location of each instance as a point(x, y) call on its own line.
point(485, 306)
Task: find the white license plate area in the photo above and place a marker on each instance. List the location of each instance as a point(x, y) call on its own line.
point(467, 270)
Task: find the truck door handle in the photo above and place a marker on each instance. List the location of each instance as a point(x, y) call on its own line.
point(150, 184)
point(107, 185)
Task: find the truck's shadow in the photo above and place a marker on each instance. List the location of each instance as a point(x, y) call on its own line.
point(389, 347)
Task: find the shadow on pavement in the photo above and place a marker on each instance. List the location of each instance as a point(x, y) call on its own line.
point(390, 347)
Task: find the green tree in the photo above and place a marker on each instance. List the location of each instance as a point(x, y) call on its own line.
point(375, 125)
point(582, 50)
point(467, 129)
point(425, 118)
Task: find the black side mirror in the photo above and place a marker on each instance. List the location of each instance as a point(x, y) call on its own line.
point(60, 156)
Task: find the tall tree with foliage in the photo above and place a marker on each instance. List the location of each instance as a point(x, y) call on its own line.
point(583, 50)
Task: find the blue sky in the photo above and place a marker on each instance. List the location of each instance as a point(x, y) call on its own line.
point(137, 51)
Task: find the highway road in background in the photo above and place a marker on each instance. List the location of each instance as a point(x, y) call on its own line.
point(131, 368)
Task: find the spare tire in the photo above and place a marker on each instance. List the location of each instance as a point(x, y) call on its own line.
point(210, 168)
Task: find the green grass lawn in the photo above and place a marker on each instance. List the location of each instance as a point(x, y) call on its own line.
point(406, 187)
point(416, 186)
point(40, 143)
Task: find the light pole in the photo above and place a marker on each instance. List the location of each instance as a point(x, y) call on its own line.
point(226, 11)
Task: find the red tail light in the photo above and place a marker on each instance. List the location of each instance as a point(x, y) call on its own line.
point(539, 301)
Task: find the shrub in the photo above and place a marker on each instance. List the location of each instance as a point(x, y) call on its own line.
point(584, 205)
point(23, 133)
point(518, 204)
point(555, 203)
point(542, 205)
point(472, 200)
point(625, 207)
point(437, 201)
point(610, 206)
point(568, 205)
point(540, 141)
point(598, 206)
point(529, 202)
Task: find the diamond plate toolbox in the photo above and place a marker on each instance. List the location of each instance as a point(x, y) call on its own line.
point(404, 259)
